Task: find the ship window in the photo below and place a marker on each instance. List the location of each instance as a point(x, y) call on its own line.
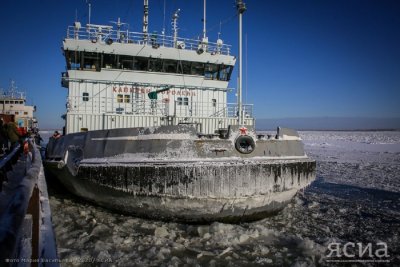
point(155, 64)
point(225, 72)
point(109, 61)
point(184, 67)
point(7, 102)
point(1, 102)
point(25, 113)
point(214, 102)
point(120, 98)
point(21, 102)
point(127, 99)
point(85, 96)
point(73, 60)
point(126, 62)
point(211, 71)
point(16, 113)
point(119, 110)
point(91, 61)
point(183, 101)
point(140, 63)
point(170, 66)
point(197, 68)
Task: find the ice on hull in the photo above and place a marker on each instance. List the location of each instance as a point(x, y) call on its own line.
point(228, 191)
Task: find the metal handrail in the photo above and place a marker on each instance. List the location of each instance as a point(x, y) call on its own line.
point(10, 156)
point(99, 34)
point(159, 107)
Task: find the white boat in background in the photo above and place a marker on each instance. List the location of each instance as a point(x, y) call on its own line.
point(13, 108)
point(149, 131)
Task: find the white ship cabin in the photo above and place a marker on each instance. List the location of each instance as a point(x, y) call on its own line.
point(120, 79)
point(13, 108)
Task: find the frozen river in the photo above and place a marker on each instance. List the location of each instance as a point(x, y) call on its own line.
point(355, 202)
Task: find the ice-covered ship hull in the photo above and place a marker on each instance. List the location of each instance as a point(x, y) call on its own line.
point(171, 173)
point(149, 129)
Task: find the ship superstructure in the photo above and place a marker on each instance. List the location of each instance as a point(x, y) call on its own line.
point(13, 107)
point(121, 79)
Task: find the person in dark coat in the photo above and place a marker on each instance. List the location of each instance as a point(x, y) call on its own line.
point(12, 133)
point(56, 135)
point(3, 137)
point(38, 138)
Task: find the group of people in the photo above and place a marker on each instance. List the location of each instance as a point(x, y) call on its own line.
point(9, 136)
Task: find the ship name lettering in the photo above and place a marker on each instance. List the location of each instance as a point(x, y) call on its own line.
point(138, 90)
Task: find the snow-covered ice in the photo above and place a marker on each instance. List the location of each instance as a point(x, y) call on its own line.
point(356, 198)
point(365, 159)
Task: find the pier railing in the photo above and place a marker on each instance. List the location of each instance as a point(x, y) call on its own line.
point(106, 34)
point(6, 163)
point(26, 233)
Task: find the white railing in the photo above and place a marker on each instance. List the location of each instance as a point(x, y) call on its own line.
point(209, 109)
point(145, 106)
point(135, 106)
point(108, 35)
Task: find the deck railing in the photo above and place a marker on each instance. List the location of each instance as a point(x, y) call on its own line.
point(209, 109)
point(160, 107)
point(106, 34)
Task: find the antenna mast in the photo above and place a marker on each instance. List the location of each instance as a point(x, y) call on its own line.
point(146, 20)
point(204, 21)
point(118, 23)
point(90, 11)
point(175, 26)
point(241, 8)
point(163, 31)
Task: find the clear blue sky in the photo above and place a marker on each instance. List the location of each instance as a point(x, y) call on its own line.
point(335, 58)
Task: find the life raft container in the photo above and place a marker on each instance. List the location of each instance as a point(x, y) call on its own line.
point(245, 144)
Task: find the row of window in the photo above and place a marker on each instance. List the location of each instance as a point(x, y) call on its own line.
point(181, 101)
point(96, 61)
point(11, 102)
point(16, 112)
point(120, 98)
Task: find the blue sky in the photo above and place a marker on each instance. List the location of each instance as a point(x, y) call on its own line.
point(331, 58)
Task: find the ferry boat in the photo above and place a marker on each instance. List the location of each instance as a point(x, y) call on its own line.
point(148, 129)
point(13, 108)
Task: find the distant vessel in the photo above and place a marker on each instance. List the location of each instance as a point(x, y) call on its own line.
point(148, 129)
point(13, 108)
